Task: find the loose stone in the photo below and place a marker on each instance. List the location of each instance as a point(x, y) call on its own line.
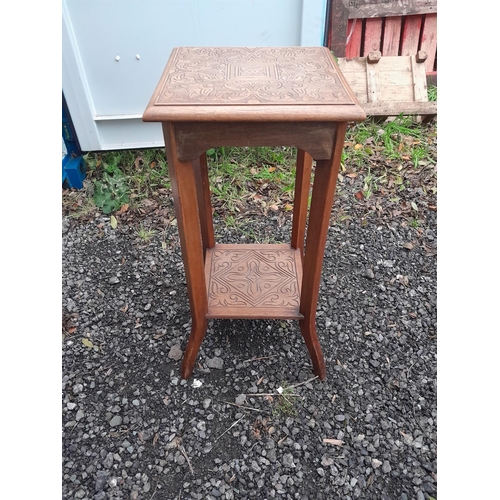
point(115, 421)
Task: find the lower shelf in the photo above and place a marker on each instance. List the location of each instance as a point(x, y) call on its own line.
point(253, 281)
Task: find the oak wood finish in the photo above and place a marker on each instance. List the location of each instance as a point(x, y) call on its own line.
point(325, 180)
point(301, 199)
point(253, 281)
point(204, 202)
point(293, 96)
point(316, 137)
point(183, 182)
point(252, 84)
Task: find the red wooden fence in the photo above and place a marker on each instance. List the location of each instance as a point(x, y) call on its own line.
point(394, 36)
point(395, 27)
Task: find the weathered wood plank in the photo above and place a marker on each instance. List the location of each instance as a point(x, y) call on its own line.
point(392, 86)
point(337, 27)
point(354, 32)
point(394, 78)
point(373, 35)
point(354, 71)
point(372, 82)
point(396, 108)
point(411, 34)
point(392, 36)
point(419, 80)
point(382, 8)
point(429, 40)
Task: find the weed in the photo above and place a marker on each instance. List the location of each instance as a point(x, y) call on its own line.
point(238, 173)
point(263, 178)
point(230, 221)
point(111, 192)
point(85, 208)
point(401, 139)
point(419, 154)
point(369, 185)
point(139, 174)
point(284, 402)
point(432, 93)
point(145, 234)
point(415, 223)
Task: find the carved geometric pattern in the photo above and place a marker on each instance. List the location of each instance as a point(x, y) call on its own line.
point(257, 75)
point(257, 277)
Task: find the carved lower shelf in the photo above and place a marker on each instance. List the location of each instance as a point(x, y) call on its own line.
point(253, 281)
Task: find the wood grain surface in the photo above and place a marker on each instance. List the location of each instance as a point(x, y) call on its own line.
point(253, 281)
point(252, 84)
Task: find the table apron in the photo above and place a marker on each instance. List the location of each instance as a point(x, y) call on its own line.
point(194, 138)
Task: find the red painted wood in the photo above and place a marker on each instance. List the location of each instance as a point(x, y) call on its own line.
point(429, 40)
point(373, 35)
point(411, 35)
point(353, 47)
point(392, 36)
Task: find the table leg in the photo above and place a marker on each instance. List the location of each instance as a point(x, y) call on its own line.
point(301, 198)
point(325, 180)
point(204, 202)
point(183, 181)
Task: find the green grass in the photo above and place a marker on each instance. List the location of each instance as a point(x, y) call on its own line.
point(401, 139)
point(240, 173)
point(285, 404)
point(256, 178)
point(415, 223)
point(144, 173)
point(432, 92)
point(86, 207)
point(145, 234)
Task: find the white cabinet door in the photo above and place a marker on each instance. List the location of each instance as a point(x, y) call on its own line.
point(114, 51)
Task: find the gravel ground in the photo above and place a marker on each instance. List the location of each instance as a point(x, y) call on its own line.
point(252, 421)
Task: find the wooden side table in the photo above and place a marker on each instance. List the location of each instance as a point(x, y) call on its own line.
point(248, 96)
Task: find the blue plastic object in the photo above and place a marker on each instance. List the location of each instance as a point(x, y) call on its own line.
point(73, 164)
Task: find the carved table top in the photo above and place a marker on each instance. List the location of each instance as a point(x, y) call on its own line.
point(252, 83)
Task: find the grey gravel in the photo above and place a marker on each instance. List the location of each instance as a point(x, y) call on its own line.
point(175, 352)
point(116, 420)
point(240, 400)
point(130, 420)
point(369, 273)
point(216, 363)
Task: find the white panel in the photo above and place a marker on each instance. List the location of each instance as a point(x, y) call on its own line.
point(130, 134)
point(76, 89)
point(141, 34)
point(313, 23)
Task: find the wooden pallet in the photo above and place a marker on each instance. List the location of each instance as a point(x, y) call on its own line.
point(393, 27)
point(390, 86)
point(394, 36)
